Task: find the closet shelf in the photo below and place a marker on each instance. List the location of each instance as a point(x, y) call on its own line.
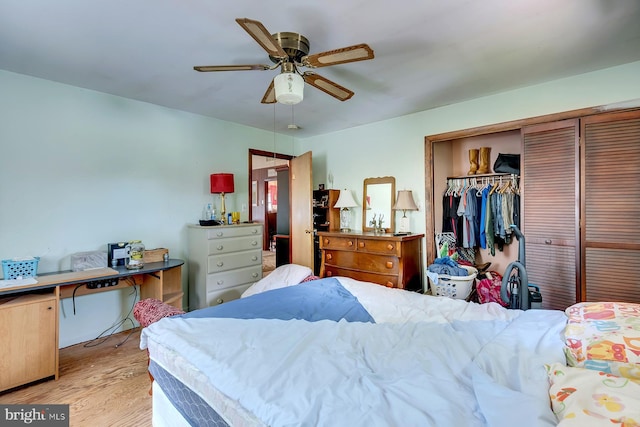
point(483, 175)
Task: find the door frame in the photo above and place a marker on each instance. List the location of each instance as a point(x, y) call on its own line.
point(256, 152)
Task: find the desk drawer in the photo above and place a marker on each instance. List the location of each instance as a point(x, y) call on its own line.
point(387, 247)
point(224, 262)
point(234, 231)
point(362, 261)
point(224, 246)
point(341, 243)
point(227, 279)
point(389, 281)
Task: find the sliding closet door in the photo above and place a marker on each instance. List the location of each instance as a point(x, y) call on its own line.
point(611, 206)
point(550, 210)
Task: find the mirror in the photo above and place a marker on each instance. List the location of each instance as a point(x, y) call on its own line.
point(378, 198)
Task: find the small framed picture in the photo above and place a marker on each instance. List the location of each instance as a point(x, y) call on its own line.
point(320, 186)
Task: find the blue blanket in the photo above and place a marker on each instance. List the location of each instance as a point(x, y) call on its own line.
point(324, 299)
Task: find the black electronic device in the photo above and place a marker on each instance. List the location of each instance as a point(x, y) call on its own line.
point(101, 283)
point(210, 222)
point(117, 253)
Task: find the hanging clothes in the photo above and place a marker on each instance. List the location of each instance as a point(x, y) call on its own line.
point(480, 211)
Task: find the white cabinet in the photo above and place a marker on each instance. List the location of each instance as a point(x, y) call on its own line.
point(223, 262)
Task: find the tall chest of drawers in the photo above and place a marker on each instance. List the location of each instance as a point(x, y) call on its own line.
point(223, 262)
point(385, 259)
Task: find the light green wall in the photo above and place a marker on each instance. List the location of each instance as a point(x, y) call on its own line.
point(395, 147)
point(80, 169)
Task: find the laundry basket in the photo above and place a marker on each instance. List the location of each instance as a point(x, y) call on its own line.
point(457, 287)
point(15, 268)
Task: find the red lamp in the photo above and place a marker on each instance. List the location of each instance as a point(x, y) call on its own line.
point(221, 183)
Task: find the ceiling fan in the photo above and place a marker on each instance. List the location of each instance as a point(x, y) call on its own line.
point(290, 51)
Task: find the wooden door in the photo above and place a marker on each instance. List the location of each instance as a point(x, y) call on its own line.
point(610, 206)
point(301, 213)
point(550, 221)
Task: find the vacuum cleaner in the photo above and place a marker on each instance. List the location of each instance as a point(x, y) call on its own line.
point(516, 291)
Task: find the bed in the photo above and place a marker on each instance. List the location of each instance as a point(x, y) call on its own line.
point(336, 351)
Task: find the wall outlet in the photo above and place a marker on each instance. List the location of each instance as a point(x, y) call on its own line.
point(244, 207)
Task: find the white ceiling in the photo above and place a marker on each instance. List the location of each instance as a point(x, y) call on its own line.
point(428, 53)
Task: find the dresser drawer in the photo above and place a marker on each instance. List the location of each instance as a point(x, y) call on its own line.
point(224, 262)
point(227, 279)
point(390, 281)
point(362, 261)
point(388, 247)
point(225, 295)
point(234, 231)
point(341, 243)
point(222, 246)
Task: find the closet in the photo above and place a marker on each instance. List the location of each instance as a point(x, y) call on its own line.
point(610, 166)
point(580, 198)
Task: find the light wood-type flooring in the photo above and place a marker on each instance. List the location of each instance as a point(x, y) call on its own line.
point(104, 385)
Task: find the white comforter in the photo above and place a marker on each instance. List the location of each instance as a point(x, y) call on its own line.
point(428, 361)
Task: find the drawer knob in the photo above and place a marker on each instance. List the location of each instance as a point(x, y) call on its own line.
point(220, 282)
point(326, 241)
point(254, 243)
point(49, 308)
point(547, 242)
point(390, 247)
point(219, 234)
point(389, 285)
point(220, 264)
point(361, 244)
point(389, 264)
point(254, 258)
point(255, 275)
point(329, 274)
point(350, 243)
point(254, 231)
point(219, 247)
point(329, 257)
point(219, 301)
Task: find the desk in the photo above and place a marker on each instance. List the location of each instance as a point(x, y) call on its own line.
point(29, 314)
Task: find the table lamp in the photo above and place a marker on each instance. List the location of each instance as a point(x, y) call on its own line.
point(344, 203)
point(404, 203)
point(221, 183)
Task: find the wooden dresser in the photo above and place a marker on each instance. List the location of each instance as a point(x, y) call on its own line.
point(392, 261)
point(223, 262)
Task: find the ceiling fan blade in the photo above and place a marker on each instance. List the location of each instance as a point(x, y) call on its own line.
point(262, 36)
point(270, 95)
point(358, 52)
point(205, 68)
point(327, 86)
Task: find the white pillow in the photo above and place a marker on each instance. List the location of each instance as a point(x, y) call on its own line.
point(283, 276)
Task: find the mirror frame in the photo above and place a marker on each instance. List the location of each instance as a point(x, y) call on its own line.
point(392, 197)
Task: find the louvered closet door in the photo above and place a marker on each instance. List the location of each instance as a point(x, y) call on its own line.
point(549, 211)
point(611, 206)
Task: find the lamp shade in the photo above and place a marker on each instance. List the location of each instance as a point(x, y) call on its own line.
point(345, 200)
point(404, 201)
point(221, 183)
point(289, 88)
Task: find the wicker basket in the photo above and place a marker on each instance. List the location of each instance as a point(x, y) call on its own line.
point(457, 287)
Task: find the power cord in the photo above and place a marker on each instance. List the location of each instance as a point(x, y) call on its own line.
point(102, 338)
point(73, 297)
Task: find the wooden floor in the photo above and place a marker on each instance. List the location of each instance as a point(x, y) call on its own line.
point(104, 385)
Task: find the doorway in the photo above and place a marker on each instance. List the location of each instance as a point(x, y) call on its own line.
point(264, 167)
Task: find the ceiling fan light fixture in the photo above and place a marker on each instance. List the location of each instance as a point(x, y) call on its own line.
point(289, 88)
